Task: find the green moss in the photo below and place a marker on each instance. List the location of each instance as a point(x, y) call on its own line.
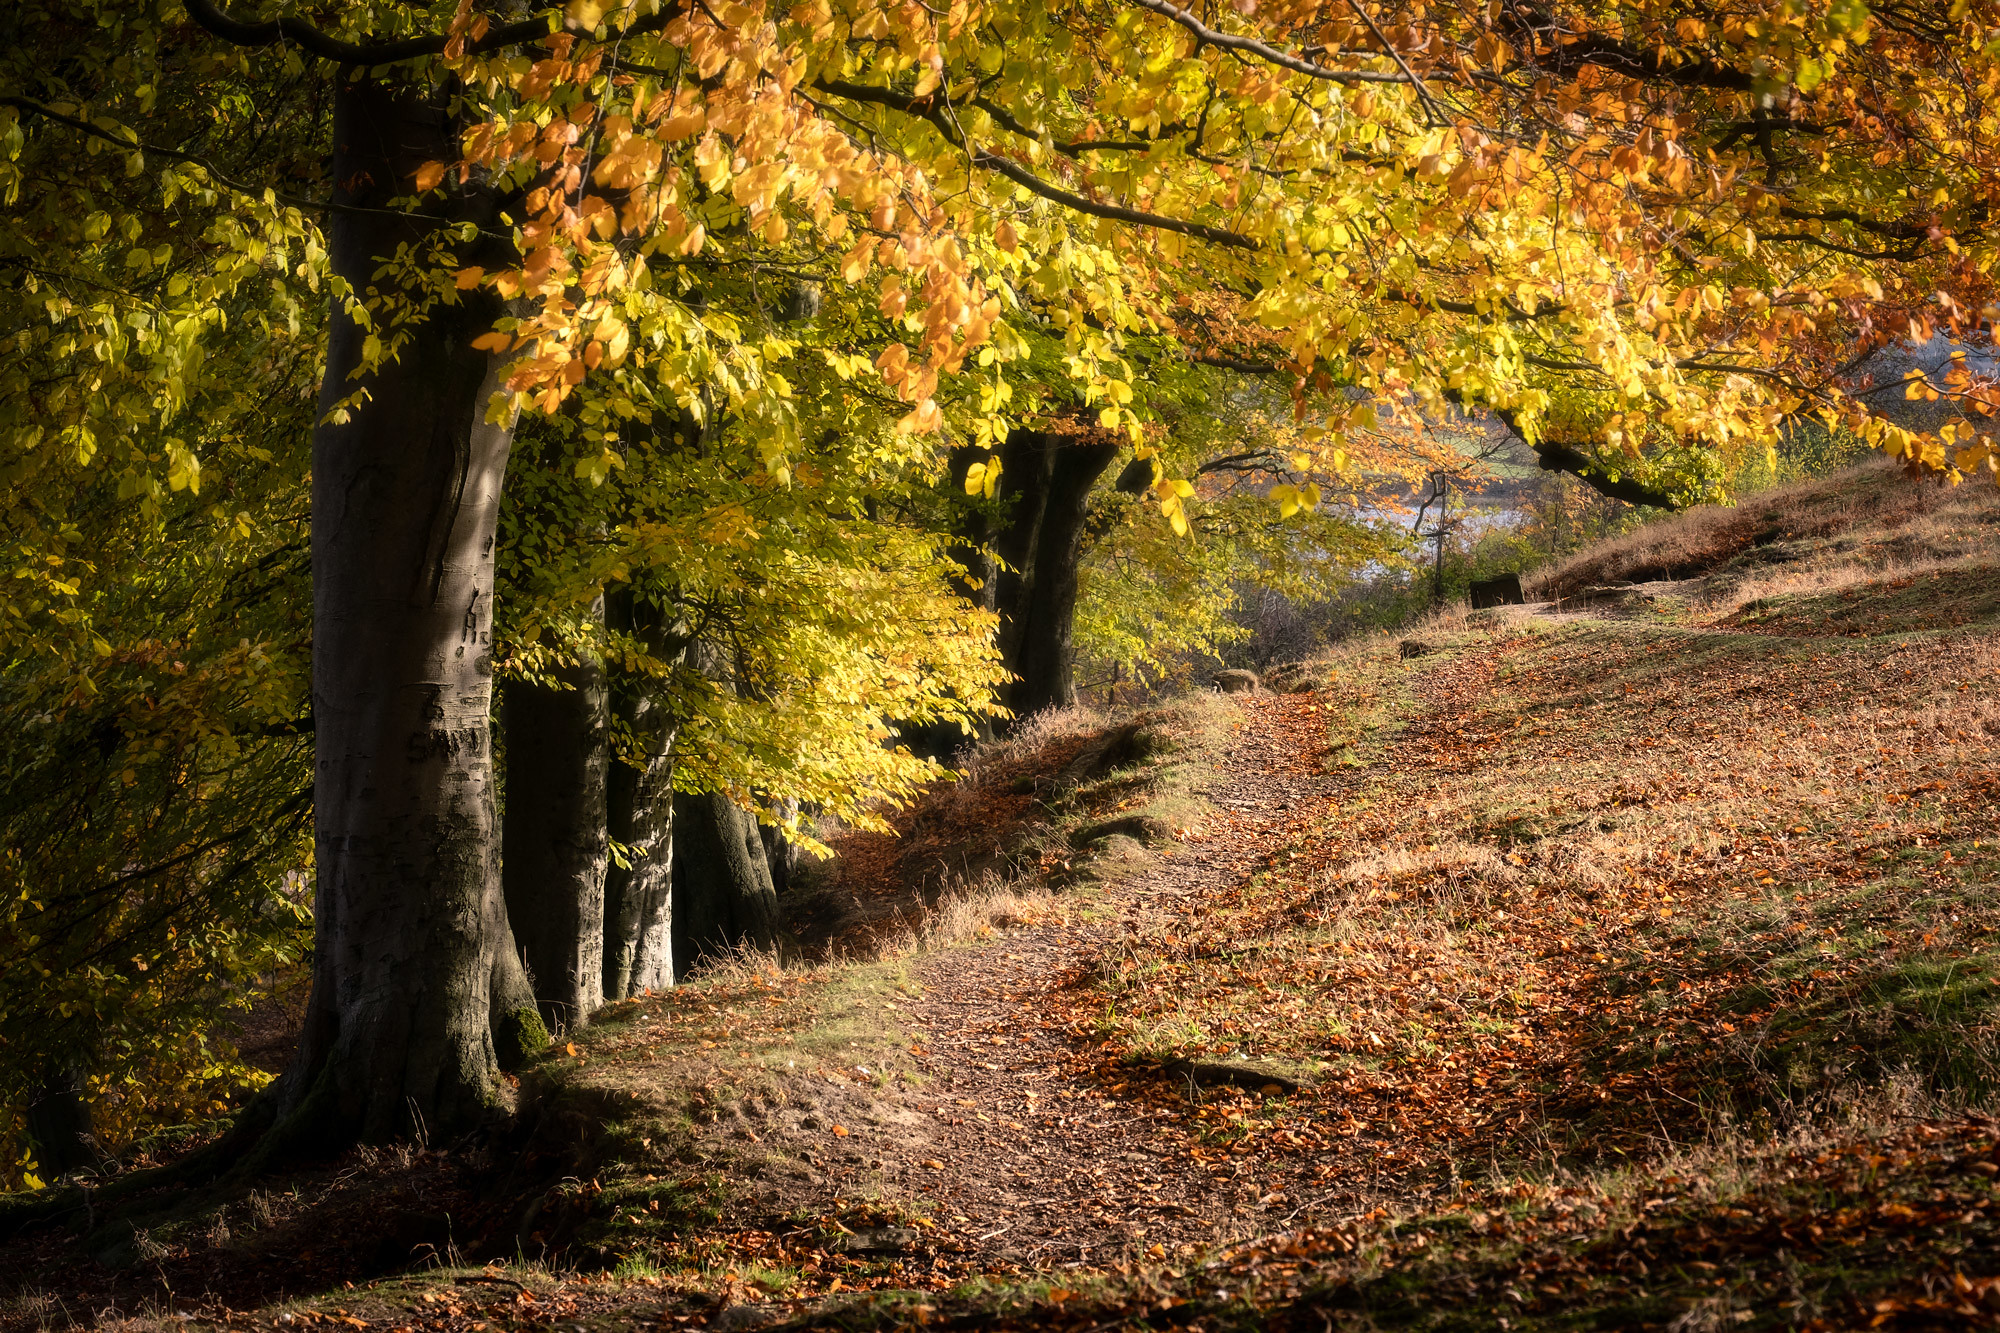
point(519, 1035)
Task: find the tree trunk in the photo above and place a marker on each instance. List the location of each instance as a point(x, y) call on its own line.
point(406, 491)
point(970, 522)
point(781, 854)
point(553, 852)
point(972, 529)
point(1046, 478)
point(638, 897)
point(723, 896)
point(511, 1008)
point(58, 1127)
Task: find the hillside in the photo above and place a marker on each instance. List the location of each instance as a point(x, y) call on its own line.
point(1627, 960)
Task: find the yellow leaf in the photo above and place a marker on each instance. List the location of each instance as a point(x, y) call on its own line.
point(586, 13)
point(493, 342)
point(856, 266)
point(982, 478)
point(680, 127)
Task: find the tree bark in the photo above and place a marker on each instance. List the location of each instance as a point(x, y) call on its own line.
point(638, 897)
point(406, 490)
point(781, 854)
point(553, 852)
point(1046, 479)
point(723, 895)
point(511, 1008)
point(58, 1127)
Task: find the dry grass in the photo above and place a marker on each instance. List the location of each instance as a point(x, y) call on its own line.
point(1831, 531)
point(1599, 889)
point(996, 842)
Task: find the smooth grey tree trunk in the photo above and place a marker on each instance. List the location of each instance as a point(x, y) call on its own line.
point(638, 896)
point(553, 849)
point(406, 490)
point(723, 896)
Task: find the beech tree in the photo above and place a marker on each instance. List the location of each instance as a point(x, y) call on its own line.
point(1076, 564)
point(755, 640)
point(1643, 235)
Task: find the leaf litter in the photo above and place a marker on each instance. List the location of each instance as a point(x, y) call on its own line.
point(1630, 973)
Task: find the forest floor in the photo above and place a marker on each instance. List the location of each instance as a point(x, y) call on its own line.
point(1631, 962)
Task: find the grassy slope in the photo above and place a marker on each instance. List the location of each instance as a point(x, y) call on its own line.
point(1650, 961)
point(1644, 975)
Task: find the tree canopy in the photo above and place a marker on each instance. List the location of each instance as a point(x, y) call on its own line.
point(1643, 234)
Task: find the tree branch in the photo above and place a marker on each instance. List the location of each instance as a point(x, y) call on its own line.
point(303, 35)
point(1263, 51)
point(1555, 457)
point(173, 154)
point(1606, 53)
point(933, 112)
point(1013, 171)
point(1241, 365)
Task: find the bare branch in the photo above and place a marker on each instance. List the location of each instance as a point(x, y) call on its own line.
point(1264, 51)
point(928, 109)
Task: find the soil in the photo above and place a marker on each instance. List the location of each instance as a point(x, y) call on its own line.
point(1034, 1149)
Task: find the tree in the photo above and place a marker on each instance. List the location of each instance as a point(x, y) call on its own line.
point(155, 730)
point(555, 844)
point(1593, 223)
point(1028, 537)
point(756, 641)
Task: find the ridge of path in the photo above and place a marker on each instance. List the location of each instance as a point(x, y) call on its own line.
point(1030, 1159)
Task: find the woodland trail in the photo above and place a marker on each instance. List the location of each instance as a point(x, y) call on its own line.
point(1041, 1154)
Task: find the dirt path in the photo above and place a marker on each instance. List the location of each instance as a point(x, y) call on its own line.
point(1033, 1158)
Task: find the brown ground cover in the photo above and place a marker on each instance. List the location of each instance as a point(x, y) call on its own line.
point(1638, 969)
